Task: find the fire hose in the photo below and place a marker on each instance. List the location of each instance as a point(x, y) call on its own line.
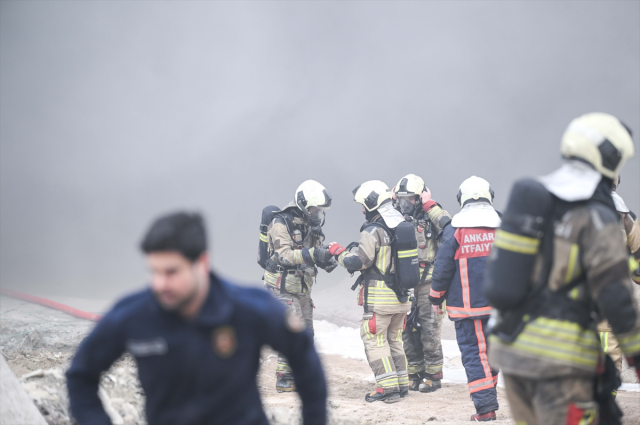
point(51, 304)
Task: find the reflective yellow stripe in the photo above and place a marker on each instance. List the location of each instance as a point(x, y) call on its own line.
point(433, 212)
point(408, 253)
point(388, 382)
point(387, 365)
point(382, 255)
point(263, 237)
point(297, 256)
point(516, 243)
point(633, 264)
point(630, 345)
point(399, 337)
point(574, 293)
point(365, 328)
point(604, 340)
point(380, 340)
point(573, 269)
point(556, 339)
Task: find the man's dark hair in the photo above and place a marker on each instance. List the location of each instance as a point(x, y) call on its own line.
point(182, 232)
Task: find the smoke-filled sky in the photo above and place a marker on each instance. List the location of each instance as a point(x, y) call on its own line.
point(112, 113)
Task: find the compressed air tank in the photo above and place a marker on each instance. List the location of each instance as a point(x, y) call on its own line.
point(526, 220)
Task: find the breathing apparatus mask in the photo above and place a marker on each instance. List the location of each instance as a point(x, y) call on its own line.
point(316, 219)
point(407, 205)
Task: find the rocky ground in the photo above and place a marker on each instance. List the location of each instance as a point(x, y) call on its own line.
point(38, 344)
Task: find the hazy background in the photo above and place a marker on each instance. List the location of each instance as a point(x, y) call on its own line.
point(112, 113)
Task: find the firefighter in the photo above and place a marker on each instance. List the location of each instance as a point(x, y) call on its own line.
point(559, 266)
point(458, 278)
point(422, 342)
point(631, 237)
point(295, 239)
point(385, 310)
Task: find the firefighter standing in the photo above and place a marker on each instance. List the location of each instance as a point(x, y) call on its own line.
point(422, 343)
point(558, 266)
point(458, 277)
point(295, 239)
point(631, 236)
point(384, 313)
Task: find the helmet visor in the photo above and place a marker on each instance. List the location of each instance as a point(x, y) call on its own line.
point(407, 204)
point(316, 216)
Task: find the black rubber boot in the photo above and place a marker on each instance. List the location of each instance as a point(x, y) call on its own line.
point(429, 386)
point(485, 417)
point(414, 380)
point(285, 385)
point(380, 395)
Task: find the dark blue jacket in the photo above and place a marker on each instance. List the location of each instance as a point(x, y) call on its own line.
point(201, 371)
point(458, 272)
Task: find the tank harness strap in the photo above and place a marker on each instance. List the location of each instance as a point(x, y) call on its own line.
point(427, 267)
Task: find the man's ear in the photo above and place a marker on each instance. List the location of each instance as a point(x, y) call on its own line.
point(203, 262)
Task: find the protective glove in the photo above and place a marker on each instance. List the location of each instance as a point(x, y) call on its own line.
point(321, 255)
point(335, 248)
point(437, 309)
point(636, 276)
point(331, 265)
point(427, 202)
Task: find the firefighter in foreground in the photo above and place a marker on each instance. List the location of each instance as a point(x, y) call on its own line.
point(559, 266)
point(196, 339)
point(631, 237)
point(291, 252)
point(384, 308)
point(458, 277)
point(421, 338)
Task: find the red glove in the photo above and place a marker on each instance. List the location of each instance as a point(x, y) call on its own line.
point(336, 249)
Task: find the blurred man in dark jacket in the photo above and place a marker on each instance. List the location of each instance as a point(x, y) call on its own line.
point(196, 340)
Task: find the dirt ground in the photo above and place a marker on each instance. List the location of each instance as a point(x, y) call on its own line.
point(41, 341)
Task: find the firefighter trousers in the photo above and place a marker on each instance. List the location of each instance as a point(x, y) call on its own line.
point(482, 380)
point(610, 344)
point(423, 344)
point(300, 305)
point(382, 337)
point(565, 400)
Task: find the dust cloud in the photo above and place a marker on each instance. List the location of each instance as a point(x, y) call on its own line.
point(112, 113)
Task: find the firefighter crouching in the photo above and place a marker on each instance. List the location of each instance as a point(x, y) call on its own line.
point(384, 313)
point(290, 252)
point(558, 266)
point(458, 277)
point(422, 336)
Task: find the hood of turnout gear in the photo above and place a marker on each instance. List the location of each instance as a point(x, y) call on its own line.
point(480, 214)
point(390, 215)
point(621, 207)
point(574, 181)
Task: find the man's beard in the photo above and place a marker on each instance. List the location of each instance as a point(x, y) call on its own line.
point(182, 303)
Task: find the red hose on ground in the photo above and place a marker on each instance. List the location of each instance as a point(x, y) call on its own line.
point(51, 304)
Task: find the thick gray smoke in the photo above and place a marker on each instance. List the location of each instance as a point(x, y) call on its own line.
point(115, 112)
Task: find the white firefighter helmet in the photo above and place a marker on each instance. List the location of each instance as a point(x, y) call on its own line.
point(599, 139)
point(410, 185)
point(475, 188)
point(371, 194)
point(311, 194)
